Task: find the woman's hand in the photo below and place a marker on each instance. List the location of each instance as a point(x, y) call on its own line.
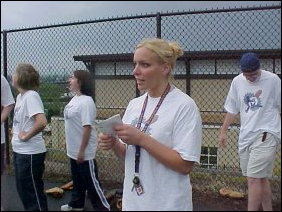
point(106, 142)
point(80, 157)
point(23, 136)
point(130, 135)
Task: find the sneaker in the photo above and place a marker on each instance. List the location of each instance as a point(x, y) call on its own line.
point(69, 208)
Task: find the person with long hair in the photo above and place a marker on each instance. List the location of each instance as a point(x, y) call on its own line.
point(81, 144)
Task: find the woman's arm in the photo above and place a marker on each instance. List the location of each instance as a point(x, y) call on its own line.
point(5, 111)
point(166, 155)
point(40, 123)
point(85, 140)
point(162, 153)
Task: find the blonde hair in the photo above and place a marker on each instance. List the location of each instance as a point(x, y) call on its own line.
point(168, 52)
point(28, 77)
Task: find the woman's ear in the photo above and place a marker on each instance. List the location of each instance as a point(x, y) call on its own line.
point(166, 69)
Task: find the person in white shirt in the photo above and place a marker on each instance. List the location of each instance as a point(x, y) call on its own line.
point(160, 139)
point(256, 95)
point(27, 142)
point(81, 143)
point(7, 105)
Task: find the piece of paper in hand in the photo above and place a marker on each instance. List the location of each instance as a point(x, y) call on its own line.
point(107, 126)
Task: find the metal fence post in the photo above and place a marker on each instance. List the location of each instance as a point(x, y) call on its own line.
point(93, 75)
point(159, 25)
point(6, 74)
point(188, 77)
point(137, 93)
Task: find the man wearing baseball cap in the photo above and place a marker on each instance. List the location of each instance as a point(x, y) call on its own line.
point(256, 95)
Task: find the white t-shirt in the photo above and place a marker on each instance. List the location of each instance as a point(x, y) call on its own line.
point(6, 100)
point(27, 105)
point(177, 125)
point(259, 105)
point(80, 111)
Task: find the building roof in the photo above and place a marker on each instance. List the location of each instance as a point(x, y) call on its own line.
point(199, 55)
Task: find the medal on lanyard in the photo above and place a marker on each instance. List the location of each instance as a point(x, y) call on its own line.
point(137, 185)
point(136, 180)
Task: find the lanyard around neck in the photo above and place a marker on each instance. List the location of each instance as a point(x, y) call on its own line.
point(137, 148)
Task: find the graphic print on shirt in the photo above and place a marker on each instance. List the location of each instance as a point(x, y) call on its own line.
point(253, 101)
point(148, 131)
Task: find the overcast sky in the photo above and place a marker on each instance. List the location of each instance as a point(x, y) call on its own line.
point(22, 14)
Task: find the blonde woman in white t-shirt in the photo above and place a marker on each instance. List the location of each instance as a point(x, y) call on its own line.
point(81, 143)
point(27, 142)
point(160, 139)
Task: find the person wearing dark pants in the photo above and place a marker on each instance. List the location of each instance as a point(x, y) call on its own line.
point(81, 144)
point(29, 170)
point(85, 177)
point(7, 105)
point(27, 142)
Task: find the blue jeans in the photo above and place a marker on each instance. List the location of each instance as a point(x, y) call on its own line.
point(29, 171)
point(85, 177)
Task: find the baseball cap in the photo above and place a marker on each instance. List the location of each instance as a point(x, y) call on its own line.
point(249, 62)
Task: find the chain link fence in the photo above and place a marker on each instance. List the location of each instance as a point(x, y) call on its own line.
point(213, 41)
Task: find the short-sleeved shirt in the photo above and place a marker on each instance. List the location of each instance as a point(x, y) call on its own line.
point(259, 105)
point(176, 125)
point(6, 100)
point(27, 105)
point(79, 112)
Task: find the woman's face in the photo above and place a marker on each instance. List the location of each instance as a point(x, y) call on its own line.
point(73, 84)
point(149, 72)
